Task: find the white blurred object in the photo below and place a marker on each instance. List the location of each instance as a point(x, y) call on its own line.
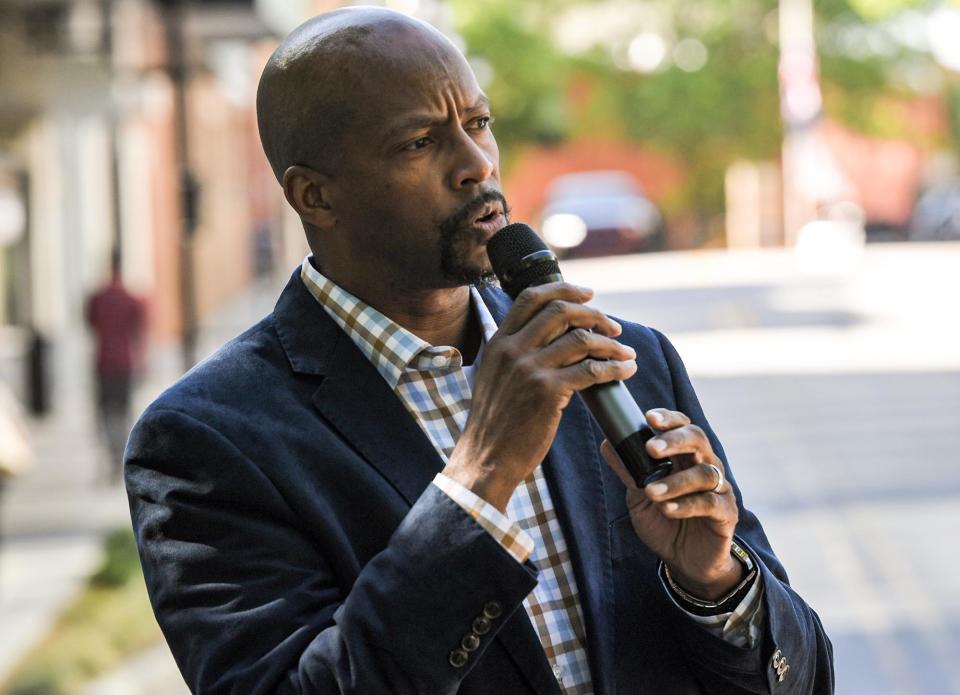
point(690, 55)
point(15, 453)
point(13, 217)
point(564, 230)
point(282, 16)
point(647, 52)
point(405, 6)
point(943, 28)
point(834, 243)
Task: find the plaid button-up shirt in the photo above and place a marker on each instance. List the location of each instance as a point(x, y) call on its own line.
point(436, 388)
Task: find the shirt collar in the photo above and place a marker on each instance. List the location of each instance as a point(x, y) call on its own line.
point(389, 347)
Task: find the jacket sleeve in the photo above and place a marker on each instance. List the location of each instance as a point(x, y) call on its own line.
point(250, 602)
point(794, 636)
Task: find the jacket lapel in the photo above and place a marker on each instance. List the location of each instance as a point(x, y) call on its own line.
point(573, 470)
point(356, 401)
point(352, 396)
point(573, 473)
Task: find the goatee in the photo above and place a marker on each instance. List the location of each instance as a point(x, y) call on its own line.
point(457, 239)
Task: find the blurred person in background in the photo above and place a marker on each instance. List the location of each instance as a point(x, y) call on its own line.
point(117, 319)
point(348, 498)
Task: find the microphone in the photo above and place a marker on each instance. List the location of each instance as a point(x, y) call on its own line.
point(521, 259)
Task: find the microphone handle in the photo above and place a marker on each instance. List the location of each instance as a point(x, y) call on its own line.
point(626, 428)
point(622, 422)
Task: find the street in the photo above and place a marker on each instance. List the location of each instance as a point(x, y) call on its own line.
point(836, 394)
point(833, 383)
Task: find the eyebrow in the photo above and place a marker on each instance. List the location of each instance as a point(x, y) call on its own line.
point(419, 121)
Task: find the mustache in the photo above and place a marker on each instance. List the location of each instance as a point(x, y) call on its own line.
point(468, 211)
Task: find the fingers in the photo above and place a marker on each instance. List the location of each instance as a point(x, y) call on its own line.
point(532, 299)
point(693, 492)
point(557, 317)
point(546, 312)
point(682, 439)
point(708, 505)
point(579, 344)
point(589, 372)
point(684, 495)
point(551, 329)
point(699, 478)
point(664, 419)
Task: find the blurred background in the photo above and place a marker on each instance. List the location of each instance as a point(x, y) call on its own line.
point(775, 185)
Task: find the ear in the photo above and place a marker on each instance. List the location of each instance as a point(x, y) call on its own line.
point(307, 191)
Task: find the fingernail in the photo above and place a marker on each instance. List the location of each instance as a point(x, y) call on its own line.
point(585, 290)
point(630, 351)
point(671, 506)
point(657, 488)
point(655, 416)
point(658, 444)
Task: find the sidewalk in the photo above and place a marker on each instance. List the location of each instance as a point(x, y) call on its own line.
point(54, 518)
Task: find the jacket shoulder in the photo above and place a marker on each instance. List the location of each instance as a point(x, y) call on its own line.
point(648, 342)
point(232, 375)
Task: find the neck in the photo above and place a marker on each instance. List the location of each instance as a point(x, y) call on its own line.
point(438, 316)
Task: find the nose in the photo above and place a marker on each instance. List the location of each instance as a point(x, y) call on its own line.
point(474, 164)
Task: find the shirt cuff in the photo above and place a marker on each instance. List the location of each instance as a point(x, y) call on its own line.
point(741, 627)
point(511, 537)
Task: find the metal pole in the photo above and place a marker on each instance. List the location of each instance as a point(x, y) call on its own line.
point(113, 130)
point(800, 108)
point(174, 18)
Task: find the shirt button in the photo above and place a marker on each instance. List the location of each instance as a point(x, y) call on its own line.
point(492, 610)
point(458, 658)
point(481, 625)
point(558, 673)
point(440, 361)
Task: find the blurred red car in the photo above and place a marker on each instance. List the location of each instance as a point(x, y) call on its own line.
point(598, 213)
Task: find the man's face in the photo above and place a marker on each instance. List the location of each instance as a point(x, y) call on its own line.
point(418, 189)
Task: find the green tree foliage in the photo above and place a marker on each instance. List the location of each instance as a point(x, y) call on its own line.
point(729, 109)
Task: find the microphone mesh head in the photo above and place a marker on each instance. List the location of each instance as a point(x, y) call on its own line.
point(512, 243)
point(507, 249)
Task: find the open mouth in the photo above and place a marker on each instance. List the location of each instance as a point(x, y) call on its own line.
point(488, 213)
point(491, 218)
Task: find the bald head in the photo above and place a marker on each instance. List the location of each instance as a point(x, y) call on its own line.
point(309, 94)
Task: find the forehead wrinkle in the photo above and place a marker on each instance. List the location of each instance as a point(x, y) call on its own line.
point(422, 119)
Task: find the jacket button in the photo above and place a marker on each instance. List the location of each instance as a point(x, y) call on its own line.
point(481, 625)
point(458, 658)
point(492, 610)
point(470, 642)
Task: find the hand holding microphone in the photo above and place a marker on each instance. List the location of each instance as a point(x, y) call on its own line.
point(521, 260)
point(549, 346)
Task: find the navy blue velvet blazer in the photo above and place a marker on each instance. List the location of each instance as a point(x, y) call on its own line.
point(291, 541)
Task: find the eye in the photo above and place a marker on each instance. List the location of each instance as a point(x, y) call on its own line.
point(418, 144)
point(483, 122)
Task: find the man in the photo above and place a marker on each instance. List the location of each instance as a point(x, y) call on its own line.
point(117, 319)
point(349, 497)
